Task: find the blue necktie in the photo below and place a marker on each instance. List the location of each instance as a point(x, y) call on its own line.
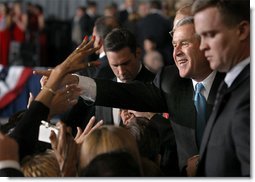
point(200, 104)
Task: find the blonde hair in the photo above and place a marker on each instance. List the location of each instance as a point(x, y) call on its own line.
point(106, 139)
point(41, 165)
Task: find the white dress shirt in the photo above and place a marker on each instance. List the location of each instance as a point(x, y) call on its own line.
point(235, 71)
point(207, 82)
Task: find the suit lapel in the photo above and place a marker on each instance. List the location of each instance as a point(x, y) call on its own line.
point(213, 92)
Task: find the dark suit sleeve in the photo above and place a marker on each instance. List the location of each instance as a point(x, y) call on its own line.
point(136, 95)
point(27, 130)
point(10, 172)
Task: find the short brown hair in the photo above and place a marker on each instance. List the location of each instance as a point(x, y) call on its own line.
point(232, 11)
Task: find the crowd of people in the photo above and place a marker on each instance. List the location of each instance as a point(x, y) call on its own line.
point(120, 118)
point(27, 36)
point(22, 34)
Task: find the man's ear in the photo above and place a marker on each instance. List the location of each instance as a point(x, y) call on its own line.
point(244, 30)
point(138, 52)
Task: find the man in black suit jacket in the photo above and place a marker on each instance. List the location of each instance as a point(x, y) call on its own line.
point(124, 59)
point(224, 27)
point(172, 90)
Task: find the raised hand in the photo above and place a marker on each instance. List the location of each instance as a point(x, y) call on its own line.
point(75, 61)
point(65, 150)
point(80, 136)
point(64, 99)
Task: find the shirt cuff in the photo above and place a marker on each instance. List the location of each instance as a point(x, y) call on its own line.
point(9, 164)
point(88, 86)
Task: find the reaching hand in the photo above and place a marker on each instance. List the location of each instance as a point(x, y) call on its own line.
point(79, 138)
point(126, 116)
point(75, 61)
point(64, 99)
point(65, 150)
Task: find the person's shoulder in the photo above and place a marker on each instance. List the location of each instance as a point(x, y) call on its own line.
point(170, 70)
point(169, 75)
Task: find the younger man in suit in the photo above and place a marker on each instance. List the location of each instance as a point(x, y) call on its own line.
point(124, 58)
point(224, 27)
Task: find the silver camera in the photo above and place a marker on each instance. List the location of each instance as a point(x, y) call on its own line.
point(45, 130)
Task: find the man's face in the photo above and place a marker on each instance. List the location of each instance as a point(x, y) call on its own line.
point(218, 41)
point(125, 65)
point(188, 58)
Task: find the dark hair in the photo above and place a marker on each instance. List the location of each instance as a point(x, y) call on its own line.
point(82, 8)
point(39, 7)
point(112, 164)
point(105, 25)
point(91, 4)
point(156, 4)
point(151, 38)
point(233, 11)
point(147, 137)
point(118, 39)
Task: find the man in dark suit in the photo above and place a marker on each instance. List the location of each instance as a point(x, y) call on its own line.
point(224, 27)
point(172, 91)
point(124, 59)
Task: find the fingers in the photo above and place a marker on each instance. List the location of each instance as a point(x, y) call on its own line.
point(42, 72)
point(82, 44)
point(89, 125)
point(73, 92)
point(78, 134)
point(87, 48)
point(100, 123)
point(43, 80)
point(30, 99)
point(62, 134)
point(85, 44)
point(53, 140)
point(90, 51)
